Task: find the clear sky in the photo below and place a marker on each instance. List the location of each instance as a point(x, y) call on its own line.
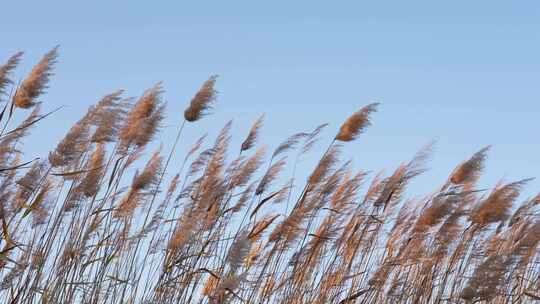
point(464, 73)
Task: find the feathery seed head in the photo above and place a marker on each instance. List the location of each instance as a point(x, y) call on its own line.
point(36, 82)
point(5, 71)
point(253, 133)
point(202, 101)
point(469, 171)
point(142, 122)
point(356, 123)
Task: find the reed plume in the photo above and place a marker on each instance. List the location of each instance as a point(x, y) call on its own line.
point(202, 101)
point(90, 183)
point(6, 69)
point(73, 145)
point(109, 114)
point(497, 205)
point(252, 135)
point(469, 171)
point(143, 120)
point(356, 123)
point(36, 82)
point(487, 279)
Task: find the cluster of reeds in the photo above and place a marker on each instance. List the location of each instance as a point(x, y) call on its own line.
point(78, 226)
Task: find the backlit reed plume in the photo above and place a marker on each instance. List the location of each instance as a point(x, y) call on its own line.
point(141, 181)
point(469, 171)
point(5, 71)
point(29, 184)
point(496, 207)
point(202, 101)
point(90, 182)
point(8, 142)
point(252, 135)
point(148, 177)
point(143, 120)
point(356, 123)
point(36, 82)
point(246, 169)
point(108, 117)
point(71, 148)
point(239, 251)
point(39, 207)
point(487, 279)
point(270, 175)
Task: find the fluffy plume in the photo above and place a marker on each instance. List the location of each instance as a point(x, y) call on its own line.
point(324, 166)
point(90, 183)
point(36, 83)
point(173, 185)
point(395, 184)
point(288, 230)
point(440, 207)
point(260, 226)
point(9, 140)
point(497, 205)
point(202, 101)
point(448, 232)
point(253, 133)
point(143, 121)
point(469, 171)
point(109, 114)
point(242, 175)
point(128, 204)
point(356, 123)
point(245, 196)
point(149, 175)
point(183, 233)
point(270, 176)
point(39, 208)
point(29, 183)
point(71, 148)
point(5, 71)
point(239, 250)
point(487, 279)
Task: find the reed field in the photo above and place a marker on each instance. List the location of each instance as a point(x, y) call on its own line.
point(106, 217)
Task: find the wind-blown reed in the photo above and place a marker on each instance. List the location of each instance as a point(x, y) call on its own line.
point(100, 219)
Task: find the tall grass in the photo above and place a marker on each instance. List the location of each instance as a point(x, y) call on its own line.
point(79, 227)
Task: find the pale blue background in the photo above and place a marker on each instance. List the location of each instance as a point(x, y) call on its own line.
point(463, 72)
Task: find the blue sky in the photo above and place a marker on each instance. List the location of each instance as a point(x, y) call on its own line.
point(462, 72)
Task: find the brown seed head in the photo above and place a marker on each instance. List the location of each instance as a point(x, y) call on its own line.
point(469, 171)
point(36, 82)
point(142, 122)
point(356, 123)
point(253, 133)
point(5, 71)
point(202, 101)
